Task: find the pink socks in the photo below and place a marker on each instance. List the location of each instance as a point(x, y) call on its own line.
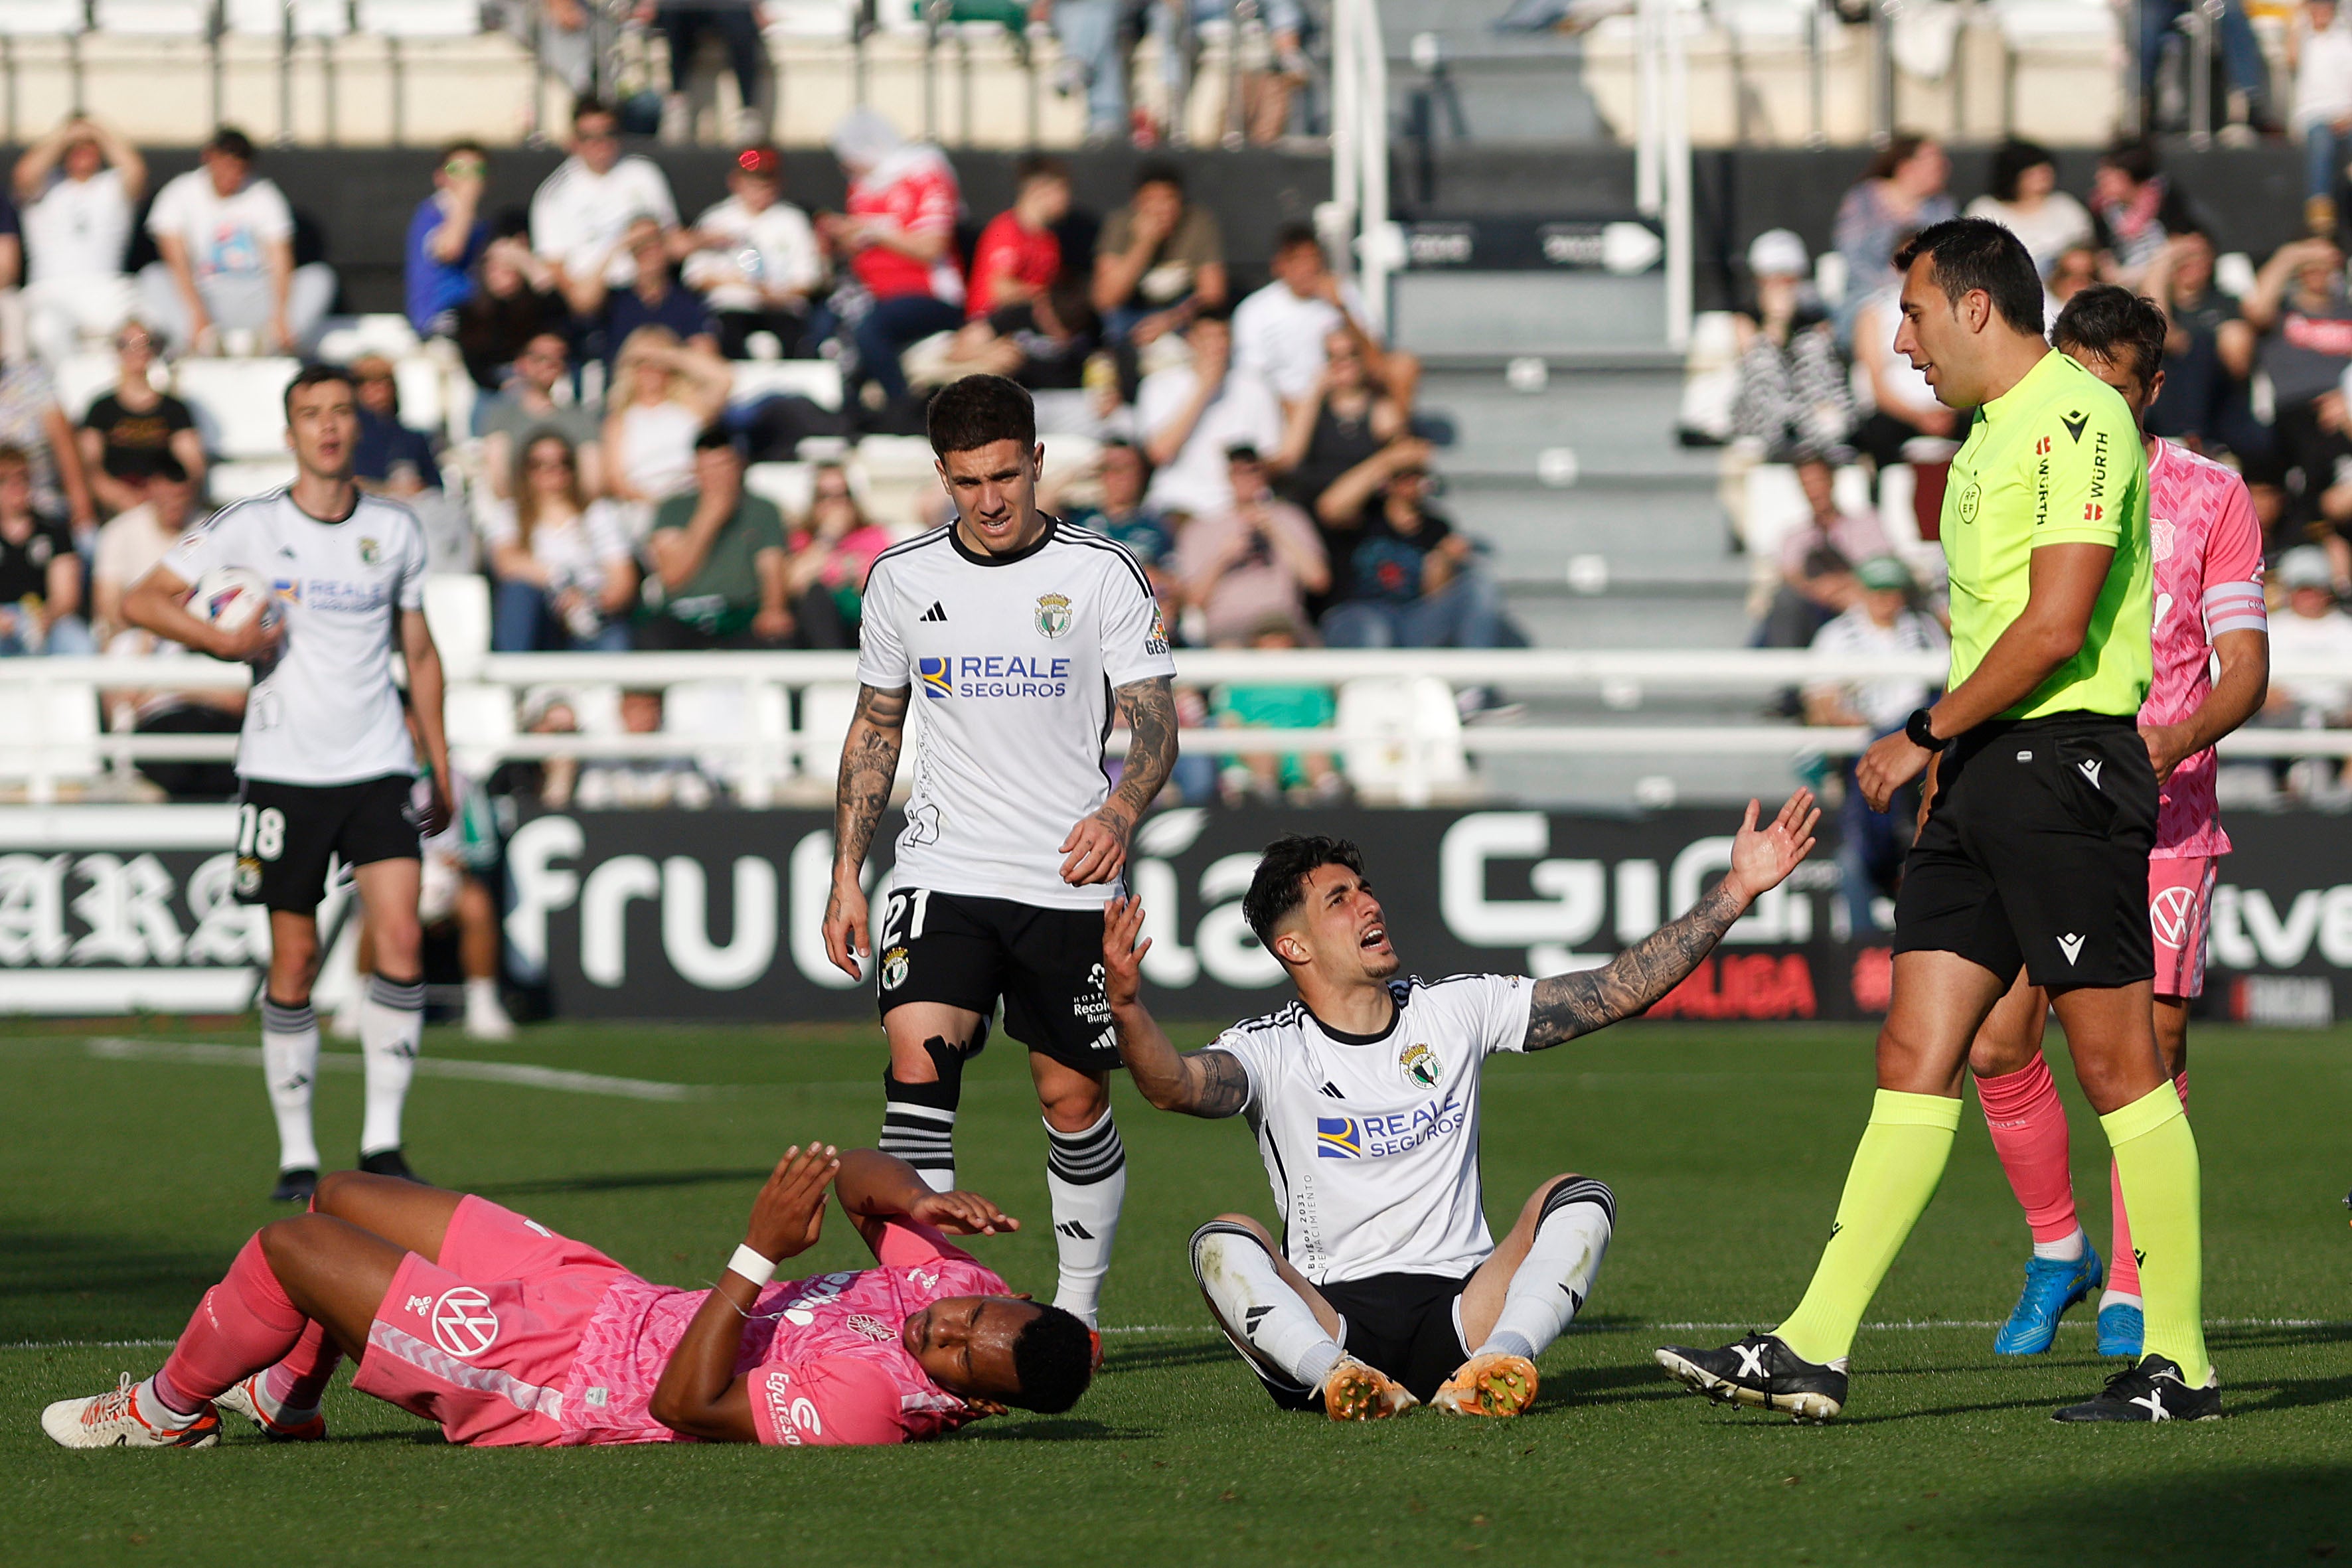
point(2123, 1268)
point(299, 1382)
point(244, 1325)
point(2029, 1132)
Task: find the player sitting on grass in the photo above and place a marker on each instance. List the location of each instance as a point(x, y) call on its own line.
point(1388, 1289)
point(504, 1333)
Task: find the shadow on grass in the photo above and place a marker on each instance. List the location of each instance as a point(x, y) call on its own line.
point(2242, 1515)
point(1060, 1431)
point(1163, 1357)
point(620, 1182)
point(82, 1285)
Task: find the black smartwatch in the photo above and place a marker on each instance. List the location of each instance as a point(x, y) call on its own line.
point(1915, 730)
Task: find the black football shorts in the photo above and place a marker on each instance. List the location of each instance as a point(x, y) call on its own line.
point(287, 833)
point(2034, 855)
point(1408, 1325)
point(966, 951)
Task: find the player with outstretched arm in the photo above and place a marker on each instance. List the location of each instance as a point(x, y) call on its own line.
point(1023, 635)
point(1387, 1290)
point(2208, 553)
point(325, 767)
point(505, 1334)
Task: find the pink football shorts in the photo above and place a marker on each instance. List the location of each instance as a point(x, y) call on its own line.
point(2179, 900)
point(482, 1340)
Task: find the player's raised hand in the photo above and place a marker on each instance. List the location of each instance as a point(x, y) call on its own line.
point(846, 938)
point(1122, 951)
point(961, 1214)
point(1096, 850)
point(789, 1212)
point(1762, 857)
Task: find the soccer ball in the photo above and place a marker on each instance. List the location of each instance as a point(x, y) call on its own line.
point(230, 596)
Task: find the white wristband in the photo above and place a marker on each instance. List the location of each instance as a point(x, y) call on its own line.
point(758, 1271)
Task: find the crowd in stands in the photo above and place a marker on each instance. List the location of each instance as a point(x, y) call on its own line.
point(615, 473)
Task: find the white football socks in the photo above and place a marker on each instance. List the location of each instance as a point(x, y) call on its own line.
point(289, 1064)
point(1551, 1285)
point(1260, 1313)
point(391, 1026)
point(918, 1127)
point(2065, 1250)
point(1086, 1177)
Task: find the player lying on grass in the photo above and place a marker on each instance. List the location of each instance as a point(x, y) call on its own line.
point(504, 1333)
point(1388, 1289)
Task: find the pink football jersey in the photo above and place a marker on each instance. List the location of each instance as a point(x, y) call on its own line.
point(2207, 550)
point(822, 1356)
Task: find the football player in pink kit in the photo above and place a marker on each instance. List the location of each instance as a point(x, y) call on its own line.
point(2208, 553)
point(506, 1333)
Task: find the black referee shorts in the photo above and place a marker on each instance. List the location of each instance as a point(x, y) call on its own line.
point(2034, 855)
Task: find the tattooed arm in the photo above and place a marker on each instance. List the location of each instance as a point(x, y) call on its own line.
point(1567, 1005)
point(869, 766)
point(1198, 1083)
point(1095, 850)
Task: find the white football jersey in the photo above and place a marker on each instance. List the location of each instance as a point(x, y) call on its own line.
point(1013, 660)
point(327, 713)
point(1371, 1142)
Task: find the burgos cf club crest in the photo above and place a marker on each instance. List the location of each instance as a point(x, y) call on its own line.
point(1052, 614)
point(370, 553)
point(893, 969)
point(1421, 1064)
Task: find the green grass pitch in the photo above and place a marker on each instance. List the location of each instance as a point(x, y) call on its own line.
point(126, 1184)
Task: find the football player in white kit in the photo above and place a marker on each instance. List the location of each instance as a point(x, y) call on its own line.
point(1023, 634)
point(1387, 1290)
point(325, 768)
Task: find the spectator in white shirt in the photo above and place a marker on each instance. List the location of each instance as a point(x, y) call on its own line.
point(754, 257)
point(77, 188)
point(2322, 53)
point(134, 540)
point(2025, 200)
point(1191, 414)
point(227, 243)
point(1279, 331)
point(581, 212)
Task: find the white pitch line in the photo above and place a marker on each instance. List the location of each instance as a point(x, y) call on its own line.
point(115, 1048)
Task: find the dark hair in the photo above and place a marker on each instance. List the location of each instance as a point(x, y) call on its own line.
point(316, 375)
point(232, 142)
point(1073, 305)
point(1972, 253)
point(1159, 171)
point(1292, 235)
point(14, 456)
point(165, 465)
point(1243, 452)
point(1279, 885)
point(978, 411)
point(712, 436)
point(464, 144)
point(1039, 166)
point(2134, 156)
point(2110, 322)
point(2010, 162)
point(588, 103)
point(1898, 152)
point(1220, 314)
point(1054, 1358)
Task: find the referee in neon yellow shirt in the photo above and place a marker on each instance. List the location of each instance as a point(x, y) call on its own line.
point(2034, 853)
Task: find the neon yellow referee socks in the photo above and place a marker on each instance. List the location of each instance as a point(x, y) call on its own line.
point(1895, 1172)
point(2156, 1160)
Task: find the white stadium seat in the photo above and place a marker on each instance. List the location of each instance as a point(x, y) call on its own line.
point(786, 484)
point(480, 720)
point(80, 378)
point(234, 481)
point(810, 18)
point(267, 18)
point(817, 380)
point(1405, 736)
point(41, 19)
point(424, 403)
point(722, 710)
point(420, 19)
point(458, 612)
point(66, 711)
point(154, 18)
point(240, 404)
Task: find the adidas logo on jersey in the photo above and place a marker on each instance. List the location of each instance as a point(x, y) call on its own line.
point(938, 612)
point(1332, 1090)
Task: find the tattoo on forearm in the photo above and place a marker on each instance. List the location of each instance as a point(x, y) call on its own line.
point(1567, 1005)
point(1150, 708)
point(869, 766)
point(1218, 1083)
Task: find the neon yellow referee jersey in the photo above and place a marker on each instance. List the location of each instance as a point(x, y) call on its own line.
point(2055, 460)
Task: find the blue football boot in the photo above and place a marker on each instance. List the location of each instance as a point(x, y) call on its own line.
point(2052, 1285)
point(2121, 1329)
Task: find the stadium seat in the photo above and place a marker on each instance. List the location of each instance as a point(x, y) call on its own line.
point(1403, 737)
point(827, 710)
point(420, 19)
point(423, 390)
point(725, 711)
point(813, 19)
point(1776, 503)
point(458, 611)
point(41, 19)
point(267, 18)
point(1068, 454)
point(66, 711)
point(888, 457)
point(387, 334)
point(817, 380)
point(786, 484)
point(154, 18)
point(480, 719)
point(240, 404)
point(82, 378)
point(234, 481)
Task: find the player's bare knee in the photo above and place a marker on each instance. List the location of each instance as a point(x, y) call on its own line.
point(286, 1243)
point(1994, 1055)
point(1075, 1106)
point(398, 942)
point(335, 1191)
